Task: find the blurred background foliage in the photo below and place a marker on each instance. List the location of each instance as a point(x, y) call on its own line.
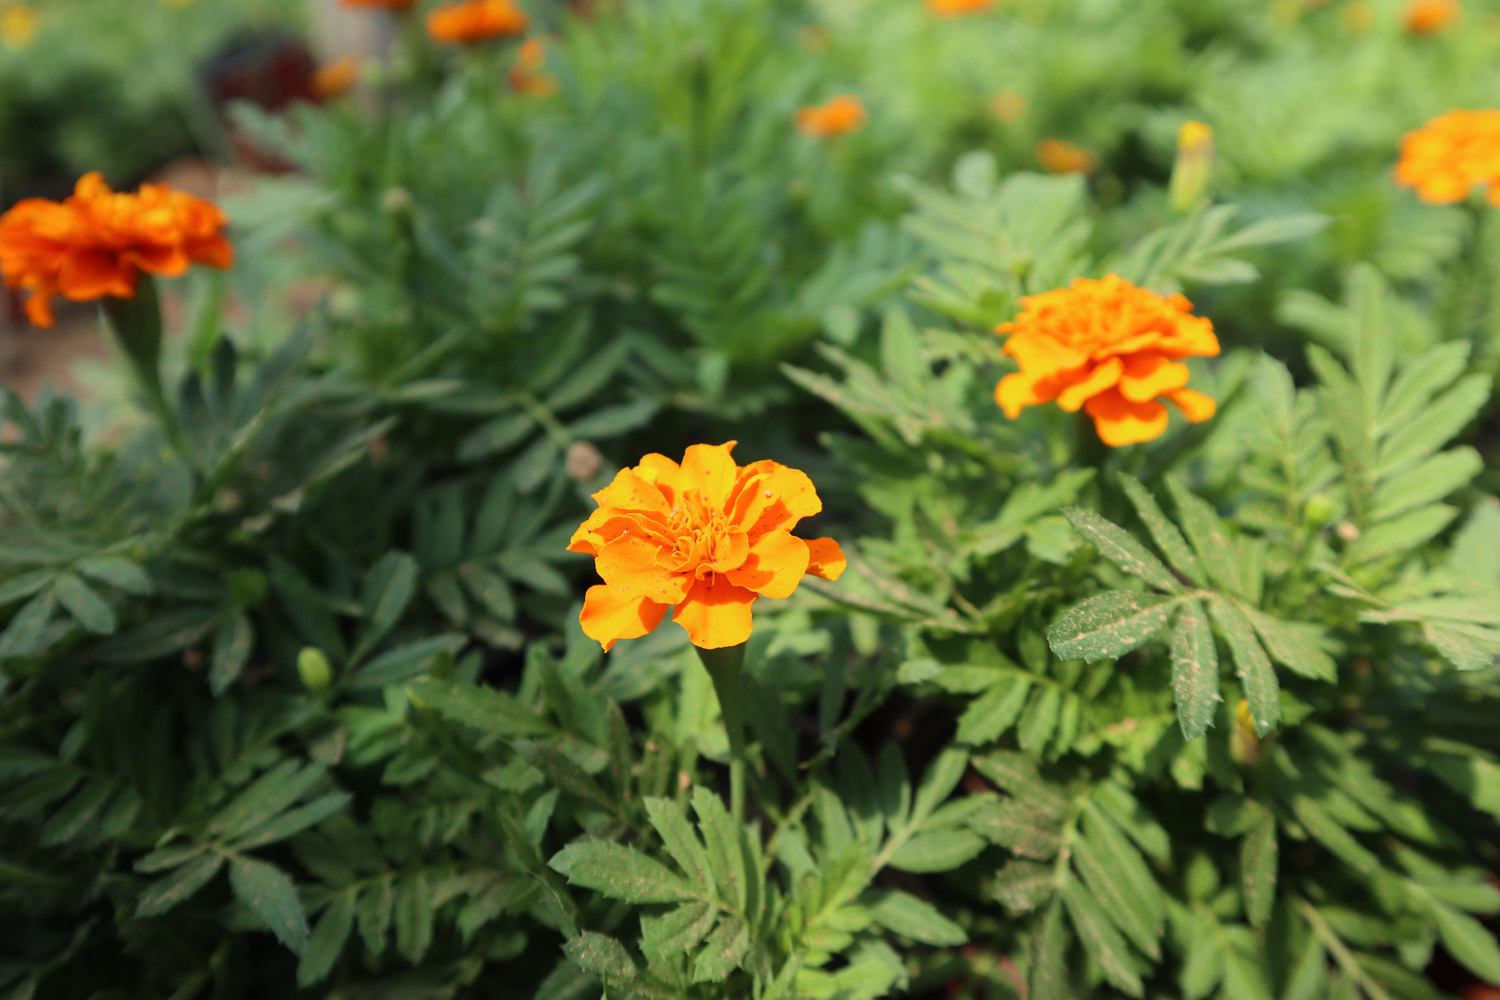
point(303, 700)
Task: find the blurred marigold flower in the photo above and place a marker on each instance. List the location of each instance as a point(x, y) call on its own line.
point(526, 75)
point(1428, 17)
point(18, 26)
point(958, 8)
point(96, 243)
point(473, 21)
point(1008, 106)
point(706, 538)
point(1452, 155)
point(388, 4)
point(1111, 349)
point(335, 77)
point(839, 116)
point(1060, 157)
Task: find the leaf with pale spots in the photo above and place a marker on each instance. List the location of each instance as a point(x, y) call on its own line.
point(1120, 547)
point(1195, 671)
point(1251, 665)
point(619, 872)
point(1108, 625)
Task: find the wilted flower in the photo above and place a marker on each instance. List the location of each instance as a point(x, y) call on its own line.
point(1451, 155)
point(96, 243)
point(839, 116)
point(706, 538)
point(473, 21)
point(1428, 17)
point(1060, 157)
point(1110, 349)
point(958, 8)
point(526, 75)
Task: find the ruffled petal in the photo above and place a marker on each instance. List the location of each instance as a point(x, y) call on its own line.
point(630, 563)
point(1194, 405)
point(1119, 422)
point(709, 470)
point(770, 497)
point(609, 616)
point(825, 558)
point(39, 308)
point(716, 613)
point(775, 566)
point(91, 274)
point(1148, 375)
point(628, 491)
point(1091, 384)
point(1019, 390)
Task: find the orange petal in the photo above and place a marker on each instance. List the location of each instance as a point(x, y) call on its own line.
point(91, 274)
point(716, 613)
point(1120, 422)
point(1494, 195)
point(708, 469)
point(628, 491)
point(775, 566)
point(609, 616)
point(629, 564)
point(1102, 377)
point(1148, 375)
point(1194, 405)
point(1019, 390)
point(1042, 355)
point(769, 497)
point(39, 309)
point(825, 558)
point(730, 551)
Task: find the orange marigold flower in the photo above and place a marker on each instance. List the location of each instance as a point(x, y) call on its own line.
point(1452, 155)
point(335, 77)
point(1427, 17)
point(96, 243)
point(1065, 158)
point(958, 8)
point(473, 21)
point(1111, 349)
point(841, 115)
point(705, 538)
point(526, 75)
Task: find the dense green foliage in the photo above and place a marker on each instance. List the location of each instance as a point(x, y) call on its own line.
point(296, 699)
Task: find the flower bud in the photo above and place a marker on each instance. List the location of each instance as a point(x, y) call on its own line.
point(1319, 510)
point(397, 203)
point(1194, 166)
point(314, 669)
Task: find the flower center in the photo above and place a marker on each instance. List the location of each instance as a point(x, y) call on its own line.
point(703, 540)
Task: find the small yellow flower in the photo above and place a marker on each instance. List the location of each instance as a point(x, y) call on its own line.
point(1194, 165)
point(1008, 106)
point(18, 26)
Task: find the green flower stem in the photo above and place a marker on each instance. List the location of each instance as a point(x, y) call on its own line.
point(726, 668)
point(136, 326)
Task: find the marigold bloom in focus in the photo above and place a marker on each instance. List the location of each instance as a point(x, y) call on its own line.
point(1110, 349)
point(335, 77)
point(96, 243)
point(1428, 17)
point(1065, 158)
point(18, 26)
point(958, 8)
point(706, 538)
point(1452, 155)
point(473, 21)
point(839, 116)
point(526, 75)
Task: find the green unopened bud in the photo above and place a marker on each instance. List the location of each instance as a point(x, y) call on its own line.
point(1194, 167)
point(1320, 510)
point(315, 670)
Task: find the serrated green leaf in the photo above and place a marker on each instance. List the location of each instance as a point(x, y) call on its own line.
point(26, 626)
point(1294, 645)
point(937, 851)
point(619, 872)
point(1130, 816)
point(1109, 625)
point(1195, 671)
point(1468, 941)
point(414, 917)
point(1204, 967)
point(272, 792)
point(1252, 666)
point(121, 574)
point(179, 885)
point(676, 932)
point(603, 956)
point(671, 822)
point(1163, 531)
point(1258, 856)
point(905, 914)
point(1100, 939)
point(325, 945)
point(1022, 885)
point(1039, 720)
point(490, 711)
point(1018, 825)
point(292, 822)
point(84, 604)
point(388, 589)
point(232, 644)
point(1047, 979)
point(1120, 547)
point(268, 893)
point(995, 711)
point(722, 952)
point(1433, 425)
point(1114, 897)
point(1210, 541)
point(1430, 481)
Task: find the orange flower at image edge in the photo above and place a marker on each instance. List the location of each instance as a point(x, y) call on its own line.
point(96, 243)
point(1110, 349)
point(839, 116)
point(1428, 17)
point(1452, 155)
point(474, 21)
point(958, 8)
point(706, 538)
